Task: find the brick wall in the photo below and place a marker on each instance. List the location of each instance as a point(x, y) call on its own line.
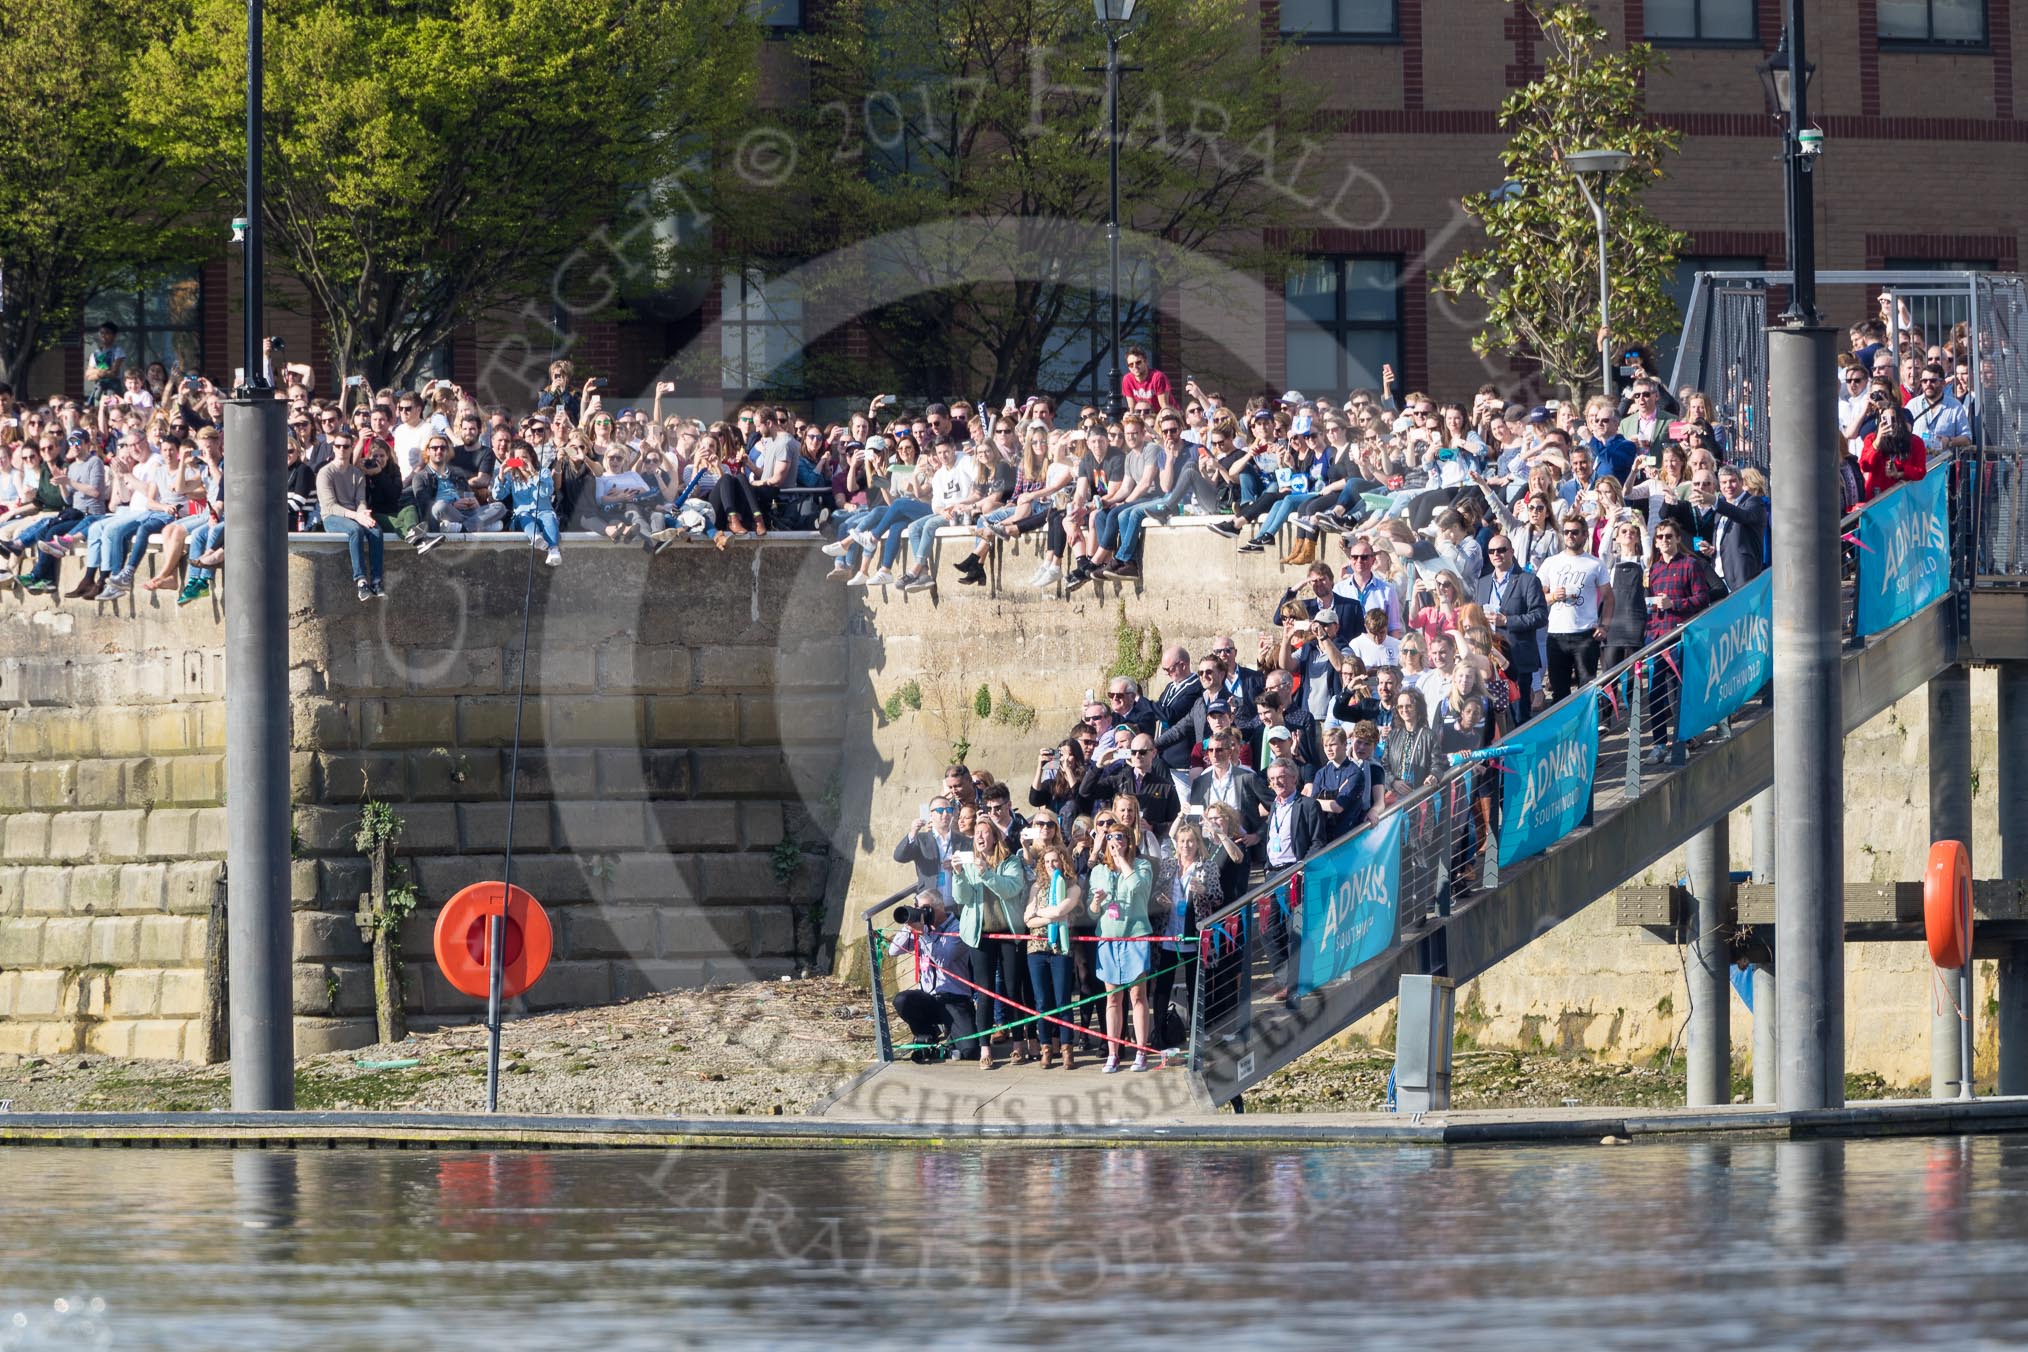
point(675, 730)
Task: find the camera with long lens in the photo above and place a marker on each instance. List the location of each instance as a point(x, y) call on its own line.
point(913, 915)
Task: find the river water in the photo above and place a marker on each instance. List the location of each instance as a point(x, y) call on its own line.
point(1838, 1245)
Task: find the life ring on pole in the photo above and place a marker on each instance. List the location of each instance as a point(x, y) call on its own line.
point(525, 944)
point(1947, 904)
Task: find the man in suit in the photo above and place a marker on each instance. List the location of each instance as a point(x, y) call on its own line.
point(1141, 775)
point(1742, 529)
point(930, 841)
point(1295, 825)
point(1129, 706)
point(1241, 685)
point(1513, 602)
point(1178, 707)
point(1226, 780)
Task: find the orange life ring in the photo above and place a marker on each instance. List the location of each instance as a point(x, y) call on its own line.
point(461, 939)
point(1947, 903)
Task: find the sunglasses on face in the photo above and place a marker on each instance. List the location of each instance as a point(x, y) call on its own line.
point(1497, 550)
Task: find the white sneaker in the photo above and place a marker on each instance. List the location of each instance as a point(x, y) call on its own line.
point(554, 558)
point(1051, 574)
point(883, 578)
point(837, 549)
point(865, 539)
point(856, 580)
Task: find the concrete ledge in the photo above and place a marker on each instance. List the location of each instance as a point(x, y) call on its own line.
point(460, 1131)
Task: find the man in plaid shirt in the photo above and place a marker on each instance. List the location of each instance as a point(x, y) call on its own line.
point(1677, 590)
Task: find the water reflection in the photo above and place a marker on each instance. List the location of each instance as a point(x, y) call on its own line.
point(1767, 1243)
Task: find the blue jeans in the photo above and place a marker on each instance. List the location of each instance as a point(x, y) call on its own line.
point(898, 517)
point(204, 539)
point(847, 522)
point(1279, 514)
point(1050, 982)
point(540, 527)
point(1106, 525)
point(362, 542)
point(1250, 484)
point(128, 540)
point(99, 536)
point(920, 533)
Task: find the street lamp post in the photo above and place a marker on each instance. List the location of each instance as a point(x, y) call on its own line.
point(1114, 16)
point(1809, 748)
point(1585, 163)
point(257, 740)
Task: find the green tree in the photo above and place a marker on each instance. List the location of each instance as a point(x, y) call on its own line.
point(990, 112)
point(429, 160)
point(84, 207)
point(1538, 273)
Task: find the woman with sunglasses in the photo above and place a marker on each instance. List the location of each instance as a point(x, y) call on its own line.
point(1122, 885)
point(1055, 902)
point(989, 887)
point(1892, 454)
point(1627, 557)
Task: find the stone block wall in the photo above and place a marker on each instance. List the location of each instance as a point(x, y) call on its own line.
point(112, 830)
point(683, 726)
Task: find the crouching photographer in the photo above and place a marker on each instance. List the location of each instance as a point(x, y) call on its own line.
point(939, 1011)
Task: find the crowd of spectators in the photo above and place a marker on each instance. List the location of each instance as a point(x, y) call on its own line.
point(1496, 558)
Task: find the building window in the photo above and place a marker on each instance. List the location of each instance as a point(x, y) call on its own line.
point(162, 321)
point(760, 333)
point(1679, 21)
point(779, 16)
point(1326, 20)
point(1076, 359)
point(1940, 22)
point(1343, 318)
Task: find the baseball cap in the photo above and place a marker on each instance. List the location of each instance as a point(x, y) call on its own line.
point(1280, 733)
point(630, 413)
point(876, 442)
point(1325, 616)
point(1541, 414)
point(1293, 397)
point(1263, 414)
point(1217, 706)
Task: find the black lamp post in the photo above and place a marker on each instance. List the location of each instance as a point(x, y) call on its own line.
point(1785, 79)
point(1114, 16)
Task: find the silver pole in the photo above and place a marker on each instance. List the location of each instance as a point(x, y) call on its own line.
point(1765, 1041)
point(1605, 313)
point(1950, 818)
point(1809, 750)
point(2013, 758)
point(1709, 1079)
point(258, 933)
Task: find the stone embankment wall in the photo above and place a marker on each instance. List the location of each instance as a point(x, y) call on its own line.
point(681, 713)
point(721, 753)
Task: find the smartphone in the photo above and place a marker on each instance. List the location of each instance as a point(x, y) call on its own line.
point(351, 380)
point(598, 382)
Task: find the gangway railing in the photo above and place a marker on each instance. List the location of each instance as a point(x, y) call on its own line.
point(1723, 351)
point(1310, 949)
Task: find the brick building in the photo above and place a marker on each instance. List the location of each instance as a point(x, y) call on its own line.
point(1917, 99)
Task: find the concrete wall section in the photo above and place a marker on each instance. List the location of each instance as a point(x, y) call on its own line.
point(681, 714)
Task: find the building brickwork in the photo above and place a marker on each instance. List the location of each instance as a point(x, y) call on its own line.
point(1923, 143)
